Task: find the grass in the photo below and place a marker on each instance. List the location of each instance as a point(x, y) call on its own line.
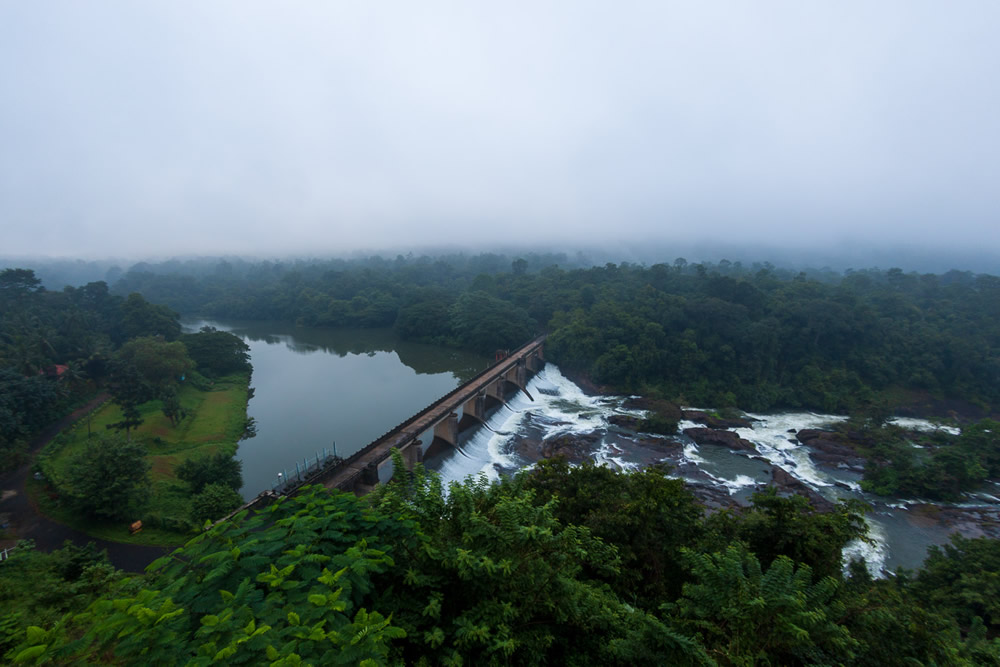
point(214, 423)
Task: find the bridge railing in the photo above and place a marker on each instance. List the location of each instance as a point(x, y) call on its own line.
point(498, 367)
point(305, 469)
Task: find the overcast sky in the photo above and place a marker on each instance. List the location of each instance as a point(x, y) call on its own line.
point(153, 128)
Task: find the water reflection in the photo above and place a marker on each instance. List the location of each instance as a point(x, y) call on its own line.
point(314, 387)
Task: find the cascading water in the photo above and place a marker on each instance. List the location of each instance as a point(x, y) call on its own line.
point(561, 408)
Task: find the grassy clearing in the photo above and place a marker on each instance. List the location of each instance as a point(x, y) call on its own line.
point(214, 423)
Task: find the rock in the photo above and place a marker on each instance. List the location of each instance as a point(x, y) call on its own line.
point(657, 406)
point(788, 484)
point(625, 421)
point(575, 447)
point(715, 422)
point(831, 449)
point(710, 436)
point(712, 497)
point(807, 434)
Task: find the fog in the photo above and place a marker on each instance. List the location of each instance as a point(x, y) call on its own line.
point(152, 129)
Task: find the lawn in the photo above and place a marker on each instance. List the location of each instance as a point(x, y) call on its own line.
point(214, 422)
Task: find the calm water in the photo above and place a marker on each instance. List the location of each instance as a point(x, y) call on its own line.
point(317, 386)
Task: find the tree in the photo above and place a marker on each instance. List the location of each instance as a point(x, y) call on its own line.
point(485, 323)
point(128, 390)
point(158, 362)
point(298, 589)
point(171, 404)
point(214, 502)
point(743, 613)
point(216, 469)
point(141, 318)
point(110, 478)
point(217, 352)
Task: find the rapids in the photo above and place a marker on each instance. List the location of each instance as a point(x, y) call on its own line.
point(898, 536)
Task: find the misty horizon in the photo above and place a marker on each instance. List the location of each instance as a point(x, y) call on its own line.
point(184, 129)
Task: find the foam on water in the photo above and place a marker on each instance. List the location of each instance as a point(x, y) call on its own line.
point(923, 425)
point(773, 435)
point(872, 553)
point(560, 408)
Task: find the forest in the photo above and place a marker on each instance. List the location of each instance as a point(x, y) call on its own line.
point(562, 564)
point(754, 337)
point(151, 430)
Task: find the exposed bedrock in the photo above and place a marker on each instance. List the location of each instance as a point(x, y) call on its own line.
point(711, 436)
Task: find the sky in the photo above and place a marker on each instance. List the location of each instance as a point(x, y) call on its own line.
point(147, 129)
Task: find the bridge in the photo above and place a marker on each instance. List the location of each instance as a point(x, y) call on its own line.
point(437, 426)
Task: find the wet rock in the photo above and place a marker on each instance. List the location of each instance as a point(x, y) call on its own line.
point(712, 421)
point(969, 522)
point(657, 406)
point(832, 449)
point(661, 445)
point(786, 483)
point(575, 447)
point(711, 436)
point(625, 421)
point(712, 497)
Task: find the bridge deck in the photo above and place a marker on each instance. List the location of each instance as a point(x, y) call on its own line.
point(379, 449)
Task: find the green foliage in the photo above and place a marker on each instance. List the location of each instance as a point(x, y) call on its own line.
point(746, 616)
point(217, 353)
point(142, 319)
point(962, 580)
point(215, 469)
point(892, 628)
point(26, 404)
point(286, 586)
point(500, 581)
point(645, 514)
point(506, 574)
point(790, 526)
point(38, 588)
point(942, 469)
point(485, 323)
point(109, 479)
point(214, 502)
point(159, 363)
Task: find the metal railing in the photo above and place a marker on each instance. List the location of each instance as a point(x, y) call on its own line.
point(287, 480)
point(497, 368)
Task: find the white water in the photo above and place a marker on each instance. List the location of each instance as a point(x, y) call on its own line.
point(561, 408)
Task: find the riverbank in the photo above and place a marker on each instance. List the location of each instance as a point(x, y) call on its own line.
point(215, 422)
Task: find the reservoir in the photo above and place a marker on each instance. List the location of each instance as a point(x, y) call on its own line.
point(319, 388)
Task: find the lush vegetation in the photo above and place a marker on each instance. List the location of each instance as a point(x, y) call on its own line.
point(564, 565)
point(160, 475)
point(937, 466)
point(173, 398)
point(56, 349)
point(724, 334)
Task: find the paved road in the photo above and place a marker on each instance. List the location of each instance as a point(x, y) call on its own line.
point(27, 523)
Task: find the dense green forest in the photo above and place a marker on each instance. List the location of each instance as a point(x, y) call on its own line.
point(56, 347)
point(559, 565)
point(754, 337)
point(63, 349)
point(562, 565)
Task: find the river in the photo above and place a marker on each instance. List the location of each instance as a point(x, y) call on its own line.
point(314, 387)
point(317, 389)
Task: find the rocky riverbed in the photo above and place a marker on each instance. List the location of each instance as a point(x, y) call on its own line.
point(723, 459)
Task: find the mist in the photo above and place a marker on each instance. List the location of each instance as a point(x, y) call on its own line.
point(849, 130)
